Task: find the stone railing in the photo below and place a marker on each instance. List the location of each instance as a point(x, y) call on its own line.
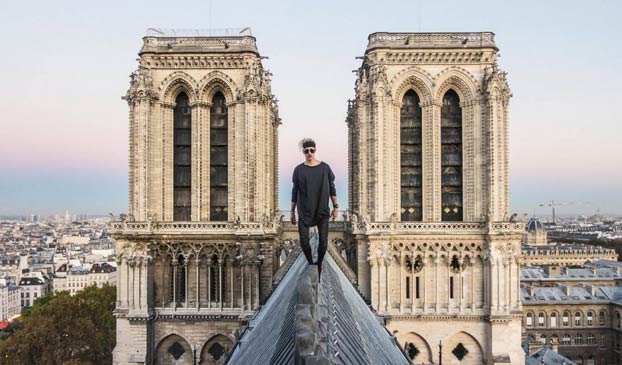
point(426, 40)
point(227, 44)
point(243, 228)
point(436, 227)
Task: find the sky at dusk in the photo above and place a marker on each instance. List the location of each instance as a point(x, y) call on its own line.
point(65, 64)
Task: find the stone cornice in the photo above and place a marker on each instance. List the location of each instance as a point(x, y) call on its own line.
point(437, 57)
point(438, 317)
point(195, 61)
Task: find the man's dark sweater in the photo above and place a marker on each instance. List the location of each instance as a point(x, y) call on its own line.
point(313, 185)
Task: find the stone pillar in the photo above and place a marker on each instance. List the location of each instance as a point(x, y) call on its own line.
point(365, 279)
point(197, 264)
point(437, 287)
point(375, 293)
point(402, 268)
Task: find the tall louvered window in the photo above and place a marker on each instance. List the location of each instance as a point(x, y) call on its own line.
point(451, 157)
point(410, 157)
point(177, 275)
point(218, 159)
point(182, 121)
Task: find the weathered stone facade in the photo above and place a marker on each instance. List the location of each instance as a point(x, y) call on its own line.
point(439, 255)
point(203, 133)
point(437, 251)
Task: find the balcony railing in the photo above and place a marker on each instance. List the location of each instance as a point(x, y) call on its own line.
point(437, 227)
point(193, 227)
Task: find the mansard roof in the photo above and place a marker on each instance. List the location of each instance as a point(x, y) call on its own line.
point(30, 281)
point(342, 328)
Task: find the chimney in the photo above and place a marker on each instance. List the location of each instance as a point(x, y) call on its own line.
point(553, 271)
point(534, 345)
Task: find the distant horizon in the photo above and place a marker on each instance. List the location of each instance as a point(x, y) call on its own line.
point(64, 131)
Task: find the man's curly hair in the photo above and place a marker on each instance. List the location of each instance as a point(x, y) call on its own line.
point(306, 142)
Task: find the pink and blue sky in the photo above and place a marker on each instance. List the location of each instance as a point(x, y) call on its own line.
point(65, 65)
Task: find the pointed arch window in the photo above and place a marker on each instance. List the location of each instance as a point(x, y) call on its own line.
point(451, 158)
point(182, 176)
point(411, 157)
point(219, 159)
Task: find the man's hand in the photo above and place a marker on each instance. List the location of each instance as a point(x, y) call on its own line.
point(334, 213)
point(293, 218)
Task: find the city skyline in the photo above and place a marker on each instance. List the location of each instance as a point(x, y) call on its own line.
point(64, 131)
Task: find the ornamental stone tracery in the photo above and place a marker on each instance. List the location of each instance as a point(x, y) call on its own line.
point(173, 274)
point(430, 270)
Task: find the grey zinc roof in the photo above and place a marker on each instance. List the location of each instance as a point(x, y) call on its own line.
point(547, 356)
point(574, 294)
point(354, 333)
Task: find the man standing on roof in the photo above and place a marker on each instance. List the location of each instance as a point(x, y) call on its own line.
point(314, 183)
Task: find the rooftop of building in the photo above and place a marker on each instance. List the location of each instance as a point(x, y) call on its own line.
point(304, 321)
point(103, 267)
point(570, 295)
point(547, 356)
point(534, 225)
point(598, 270)
point(567, 247)
point(30, 281)
point(431, 40)
point(197, 41)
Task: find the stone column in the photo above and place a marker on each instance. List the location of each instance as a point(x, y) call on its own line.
point(231, 280)
point(197, 263)
point(375, 294)
point(428, 143)
point(119, 281)
point(130, 275)
point(174, 262)
point(203, 201)
point(401, 268)
point(364, 271)
point(186, 291)
point(220, 282)
point(242, 302)
point(437, 261)
point(387, 292)
point(256, 272)
point(167, 161)
point(423, 285)
point(209, 282)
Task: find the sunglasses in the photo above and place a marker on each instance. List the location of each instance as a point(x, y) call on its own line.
point(308, 150)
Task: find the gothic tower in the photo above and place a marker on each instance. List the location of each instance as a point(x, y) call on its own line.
point(195, 251)
point(428, 163)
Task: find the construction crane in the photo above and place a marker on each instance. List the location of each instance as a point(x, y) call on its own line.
point(554, 204)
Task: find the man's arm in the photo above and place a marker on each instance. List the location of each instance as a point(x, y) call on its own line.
point(333, 193)
point(294, 196)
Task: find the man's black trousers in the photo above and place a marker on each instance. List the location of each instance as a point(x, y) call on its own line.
point(303, 230)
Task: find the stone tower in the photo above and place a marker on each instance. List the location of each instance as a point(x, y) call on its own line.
point(195, 251)
point(436, 251)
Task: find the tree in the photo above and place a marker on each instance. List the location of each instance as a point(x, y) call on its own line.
point(65, 330)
